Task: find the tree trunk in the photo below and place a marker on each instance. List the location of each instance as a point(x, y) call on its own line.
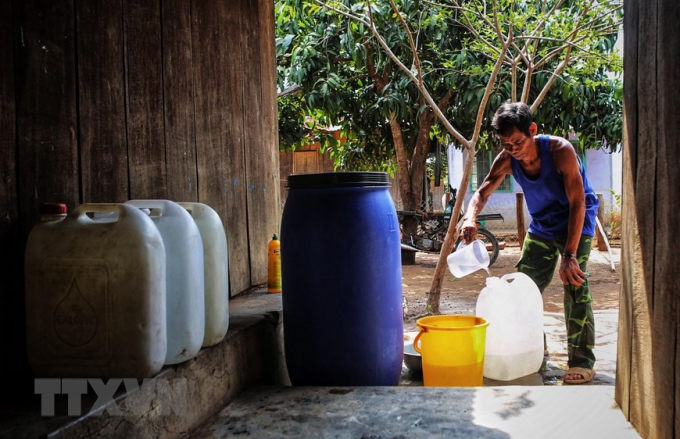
point(450, 239)
point(411, 168)
point(420, 152)
point(408, 196)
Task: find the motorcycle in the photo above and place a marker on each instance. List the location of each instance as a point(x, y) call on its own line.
point(432, 228)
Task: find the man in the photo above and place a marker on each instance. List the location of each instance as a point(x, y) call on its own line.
point(563, 209)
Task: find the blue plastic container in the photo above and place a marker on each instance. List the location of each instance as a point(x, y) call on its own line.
point(341, 276)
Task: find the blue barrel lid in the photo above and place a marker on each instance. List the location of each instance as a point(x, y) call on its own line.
point(339, 179)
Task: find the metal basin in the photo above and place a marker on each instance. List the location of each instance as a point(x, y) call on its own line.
point(412, 359)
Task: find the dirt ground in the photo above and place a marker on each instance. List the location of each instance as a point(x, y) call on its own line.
point(459, 296)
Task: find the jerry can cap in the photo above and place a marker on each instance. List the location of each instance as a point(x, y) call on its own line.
point(53, 209)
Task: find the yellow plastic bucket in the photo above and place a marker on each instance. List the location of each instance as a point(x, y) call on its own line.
point(452, 348)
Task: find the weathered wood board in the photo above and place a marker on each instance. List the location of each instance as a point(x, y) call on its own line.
point(648, 359)
point(101, 97)
point(144, 98)
point(11, 295)
point(219, 105)
point(180, 130)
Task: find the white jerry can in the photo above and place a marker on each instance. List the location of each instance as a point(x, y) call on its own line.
point(216, 271)
point(513, 306)
point(95, 295)
point(184, 277)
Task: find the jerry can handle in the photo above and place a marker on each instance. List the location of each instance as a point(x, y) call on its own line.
point(81, 211)
point(156, 208)
point(512, 276)
point(417, 339)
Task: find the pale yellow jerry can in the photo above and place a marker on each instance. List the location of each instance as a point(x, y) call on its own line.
point(96, 295)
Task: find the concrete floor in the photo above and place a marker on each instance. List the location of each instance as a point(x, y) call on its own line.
point(535, 406)
point(524, 412)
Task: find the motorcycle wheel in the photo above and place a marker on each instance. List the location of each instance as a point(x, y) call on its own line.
point(491, 244)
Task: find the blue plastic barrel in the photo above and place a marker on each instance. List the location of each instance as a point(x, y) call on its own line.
point(341, 280)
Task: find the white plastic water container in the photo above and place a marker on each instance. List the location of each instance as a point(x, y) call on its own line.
point(215, 269)
point(513, 306)
point(95, 295)
point(468, 258)
point(184, 277)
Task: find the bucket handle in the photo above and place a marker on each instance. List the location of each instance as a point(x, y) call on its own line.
point(417, 339)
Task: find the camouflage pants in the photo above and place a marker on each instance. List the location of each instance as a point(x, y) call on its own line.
point(538, 261)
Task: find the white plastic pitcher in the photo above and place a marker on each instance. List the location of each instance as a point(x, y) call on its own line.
point(468, 259)
point(95, 295)
point(216, 271)
point(513, 306)
point(185, 285)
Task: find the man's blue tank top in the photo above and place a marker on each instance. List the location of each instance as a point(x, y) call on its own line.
point(547, 199)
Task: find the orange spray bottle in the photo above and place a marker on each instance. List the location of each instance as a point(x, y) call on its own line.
point(274, 266)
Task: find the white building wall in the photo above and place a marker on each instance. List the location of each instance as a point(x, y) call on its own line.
point(603, 170)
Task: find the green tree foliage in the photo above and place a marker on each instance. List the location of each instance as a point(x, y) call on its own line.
point(558, 54)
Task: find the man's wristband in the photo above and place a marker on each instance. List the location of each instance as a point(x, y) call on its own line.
point(567, 255)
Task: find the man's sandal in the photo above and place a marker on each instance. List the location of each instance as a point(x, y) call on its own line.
point(587, 375)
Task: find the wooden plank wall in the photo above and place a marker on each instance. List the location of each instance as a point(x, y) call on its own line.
point(108, 101)
point(180, 127)
point(306, 160)
point(219, 135)
point(261, 104)
point(101, 97)
point(11, 299)
point(648, 364)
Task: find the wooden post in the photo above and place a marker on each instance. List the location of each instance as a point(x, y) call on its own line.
point(521, 230)
point(648, 317)
point(408, 257)
point(600, 215)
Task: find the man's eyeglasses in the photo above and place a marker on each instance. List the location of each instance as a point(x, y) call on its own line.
point(513, 144)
